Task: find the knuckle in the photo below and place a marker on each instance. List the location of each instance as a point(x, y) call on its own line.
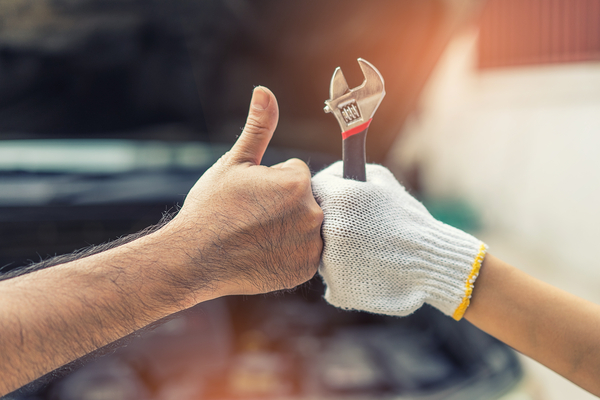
point(254, 126)
point(314, 220)
point(318, 215)
point(297, 167)
point(296, 184)
point(298, 163)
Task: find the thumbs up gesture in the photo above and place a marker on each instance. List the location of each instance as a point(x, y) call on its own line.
point(246, 228)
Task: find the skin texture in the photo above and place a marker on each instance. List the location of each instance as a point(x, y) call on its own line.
point(243, 229)
point(556, 328)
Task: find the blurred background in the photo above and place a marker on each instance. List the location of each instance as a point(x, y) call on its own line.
point(111, 109)
point(507, 126)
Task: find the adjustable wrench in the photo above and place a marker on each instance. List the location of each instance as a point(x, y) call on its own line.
point(354, 110)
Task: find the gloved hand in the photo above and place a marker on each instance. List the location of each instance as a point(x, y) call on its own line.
point(384, 253)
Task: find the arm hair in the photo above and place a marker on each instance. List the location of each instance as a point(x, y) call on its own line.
point(65, 370)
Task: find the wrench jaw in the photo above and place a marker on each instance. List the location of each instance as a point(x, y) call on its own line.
point(352, 107)
point(338, 86)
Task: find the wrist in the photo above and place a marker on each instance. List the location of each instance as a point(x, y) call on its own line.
point(173, 266)
point(452, 264)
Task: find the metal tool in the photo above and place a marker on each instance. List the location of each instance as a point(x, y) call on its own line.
point(354, 110)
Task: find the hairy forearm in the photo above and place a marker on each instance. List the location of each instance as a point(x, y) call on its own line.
point(244, 229)
point(547, 324)
point(53, 316)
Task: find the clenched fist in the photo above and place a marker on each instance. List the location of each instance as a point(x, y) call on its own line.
point(247, 228)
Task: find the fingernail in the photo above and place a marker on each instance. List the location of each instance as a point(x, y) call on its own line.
point(260, 98)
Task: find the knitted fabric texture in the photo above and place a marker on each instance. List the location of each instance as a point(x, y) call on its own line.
point(384, 253)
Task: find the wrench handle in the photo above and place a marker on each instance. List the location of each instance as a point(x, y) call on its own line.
point(353, 152)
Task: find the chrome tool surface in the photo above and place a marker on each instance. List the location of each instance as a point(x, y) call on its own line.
point(354, 110)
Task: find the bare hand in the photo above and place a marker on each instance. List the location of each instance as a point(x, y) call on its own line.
point(243, 229)
point(247, 228)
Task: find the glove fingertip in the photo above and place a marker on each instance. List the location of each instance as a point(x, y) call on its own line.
point(334, 169)
point(379, 170)
point(381, 176)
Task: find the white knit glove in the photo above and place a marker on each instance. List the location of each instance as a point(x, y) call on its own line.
point(384, 253)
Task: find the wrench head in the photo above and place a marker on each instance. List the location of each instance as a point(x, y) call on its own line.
point(352, 107)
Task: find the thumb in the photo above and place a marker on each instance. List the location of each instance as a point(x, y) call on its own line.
point(260, 125)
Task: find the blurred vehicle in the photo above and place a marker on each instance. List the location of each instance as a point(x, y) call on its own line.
point(101, 135)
